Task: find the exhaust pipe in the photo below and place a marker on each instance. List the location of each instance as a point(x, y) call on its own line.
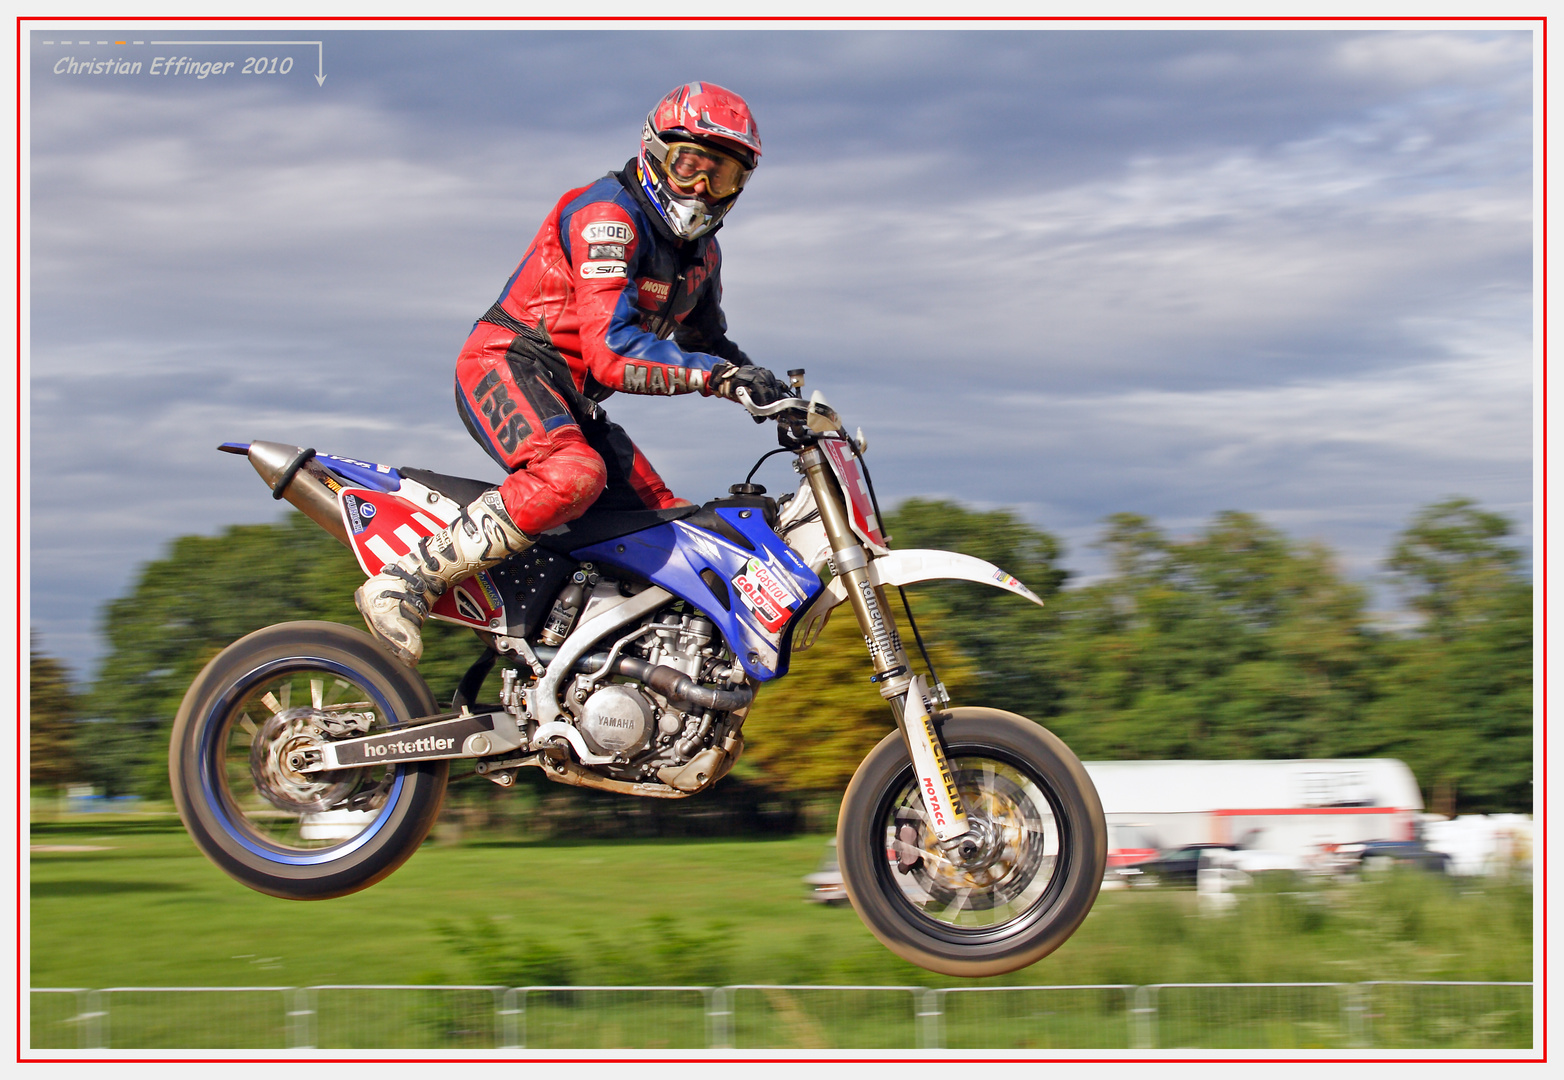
point(293, 474)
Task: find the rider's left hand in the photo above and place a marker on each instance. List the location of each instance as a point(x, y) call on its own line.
point(764, 386)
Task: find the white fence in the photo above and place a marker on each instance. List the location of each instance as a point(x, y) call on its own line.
point(1400, 1015)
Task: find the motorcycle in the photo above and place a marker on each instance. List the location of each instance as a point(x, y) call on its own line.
point(308, 763)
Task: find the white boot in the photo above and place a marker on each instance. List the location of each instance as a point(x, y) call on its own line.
point(396, 601)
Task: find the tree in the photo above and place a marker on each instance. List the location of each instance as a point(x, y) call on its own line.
point(1456, 702)
point(1236, 643)
point(807, 732)
point(206, 593)
point(1454, 565)
point(1005, 637)
point(51, 721)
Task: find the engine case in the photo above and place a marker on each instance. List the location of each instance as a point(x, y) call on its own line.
point(617, 719)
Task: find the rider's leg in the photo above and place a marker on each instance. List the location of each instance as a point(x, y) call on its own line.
point(632, 482)
point(396, 601)
point(554, 477)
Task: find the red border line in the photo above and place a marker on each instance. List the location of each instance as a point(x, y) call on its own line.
point(1313, 811)
point(1539, 808)
point(1542, 794)
point(793, 18)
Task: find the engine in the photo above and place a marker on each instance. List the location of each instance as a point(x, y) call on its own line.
point(657, 704)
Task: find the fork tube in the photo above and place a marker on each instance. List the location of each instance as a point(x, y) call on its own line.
point(893, 673)
point(850, 563)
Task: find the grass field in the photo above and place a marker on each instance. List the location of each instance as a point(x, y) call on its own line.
point(127, 901)
point(137, 905)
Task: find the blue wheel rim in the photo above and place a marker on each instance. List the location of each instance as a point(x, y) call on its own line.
point(212, 765)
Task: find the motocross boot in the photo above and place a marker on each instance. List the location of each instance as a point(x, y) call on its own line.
point(396, 601)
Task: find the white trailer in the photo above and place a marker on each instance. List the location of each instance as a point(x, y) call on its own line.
point(1295, 808)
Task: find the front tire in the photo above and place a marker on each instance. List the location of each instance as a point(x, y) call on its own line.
point(1042, 860)
point(301, 836)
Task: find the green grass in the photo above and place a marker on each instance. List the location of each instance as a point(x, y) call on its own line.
point(148, 910)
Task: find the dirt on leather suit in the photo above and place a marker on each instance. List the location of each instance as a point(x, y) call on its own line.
point(587, 313)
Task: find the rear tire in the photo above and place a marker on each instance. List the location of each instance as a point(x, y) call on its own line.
point(1035, 881)
point(295, 835)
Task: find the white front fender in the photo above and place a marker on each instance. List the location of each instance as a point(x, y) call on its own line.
point(905, 568)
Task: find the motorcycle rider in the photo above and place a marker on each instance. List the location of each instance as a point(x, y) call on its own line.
point(619, 291)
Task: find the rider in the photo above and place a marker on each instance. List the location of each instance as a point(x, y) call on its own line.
point(617, 269)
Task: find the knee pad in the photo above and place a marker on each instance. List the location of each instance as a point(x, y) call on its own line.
point(554, 489)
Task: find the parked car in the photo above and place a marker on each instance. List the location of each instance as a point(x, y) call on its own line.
point(1179, 866)
point(1383, 854)
point(825, 884)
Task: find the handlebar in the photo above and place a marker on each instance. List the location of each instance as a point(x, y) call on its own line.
point(817, 416)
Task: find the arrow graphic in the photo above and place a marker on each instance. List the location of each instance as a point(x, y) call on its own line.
point(320, 51)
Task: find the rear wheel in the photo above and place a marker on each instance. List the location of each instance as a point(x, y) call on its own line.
point(301, 836)
point(1022, 886)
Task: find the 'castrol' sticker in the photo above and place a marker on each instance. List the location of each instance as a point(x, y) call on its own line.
point(607, 232)
point(765, 595)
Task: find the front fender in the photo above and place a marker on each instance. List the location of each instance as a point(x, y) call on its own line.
point(905, 568)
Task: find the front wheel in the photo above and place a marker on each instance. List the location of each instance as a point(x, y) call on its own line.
point(1041, 848)
point(301, 836)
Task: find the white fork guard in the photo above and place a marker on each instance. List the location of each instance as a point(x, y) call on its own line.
point(905, 568)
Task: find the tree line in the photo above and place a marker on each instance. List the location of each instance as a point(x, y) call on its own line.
point(1236, 642)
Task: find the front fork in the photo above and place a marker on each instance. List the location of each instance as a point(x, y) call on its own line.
point(904, 691)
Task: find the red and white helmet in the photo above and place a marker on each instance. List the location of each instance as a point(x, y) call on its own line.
point(699, 132)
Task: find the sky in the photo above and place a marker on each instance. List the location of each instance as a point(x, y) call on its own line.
point(1067, 271)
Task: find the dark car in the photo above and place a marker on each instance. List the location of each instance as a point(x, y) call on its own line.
point(1180, 866)
point(1381, 854)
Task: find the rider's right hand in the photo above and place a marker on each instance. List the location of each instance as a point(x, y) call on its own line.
point(764, 387)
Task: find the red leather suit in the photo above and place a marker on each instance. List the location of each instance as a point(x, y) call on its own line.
point(588, 312)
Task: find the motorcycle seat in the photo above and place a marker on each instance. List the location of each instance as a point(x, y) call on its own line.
point(598, 524)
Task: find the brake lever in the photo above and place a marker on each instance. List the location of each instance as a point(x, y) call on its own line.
point(766, 412)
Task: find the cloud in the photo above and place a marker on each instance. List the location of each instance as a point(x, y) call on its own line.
point(1070, 272)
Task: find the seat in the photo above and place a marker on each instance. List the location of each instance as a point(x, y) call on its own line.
point(592, 527)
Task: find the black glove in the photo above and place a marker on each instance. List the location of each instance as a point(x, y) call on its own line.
point(764, 387)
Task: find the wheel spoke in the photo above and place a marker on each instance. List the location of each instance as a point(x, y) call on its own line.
point(1013, 865)
point(956, 907)
point(298, 811)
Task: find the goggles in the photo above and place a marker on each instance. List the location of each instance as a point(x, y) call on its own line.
point(685, 163)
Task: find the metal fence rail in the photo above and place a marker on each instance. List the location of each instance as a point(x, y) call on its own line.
point(823, 1017)
point(1031, 1017)
point(1264, 1016)
point(610, 1017)
point(1381, 1015)
point(1446, 1015)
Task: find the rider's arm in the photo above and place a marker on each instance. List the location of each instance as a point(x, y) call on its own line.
point(604, 246)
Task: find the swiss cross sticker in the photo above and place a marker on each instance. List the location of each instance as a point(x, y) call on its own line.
point(856, 488)
point(384, 527)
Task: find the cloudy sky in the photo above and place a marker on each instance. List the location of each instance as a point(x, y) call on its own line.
point(1068, 271)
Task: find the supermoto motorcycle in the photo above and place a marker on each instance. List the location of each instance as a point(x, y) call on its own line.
point(308, 763)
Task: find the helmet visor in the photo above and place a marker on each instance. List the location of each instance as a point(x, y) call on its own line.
point(687, 163)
